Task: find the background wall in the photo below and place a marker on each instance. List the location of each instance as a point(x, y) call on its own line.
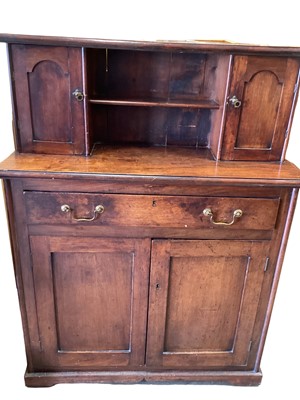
point(268, 22)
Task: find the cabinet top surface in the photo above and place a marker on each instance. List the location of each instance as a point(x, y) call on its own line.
point(184, 45)
point(150, 164)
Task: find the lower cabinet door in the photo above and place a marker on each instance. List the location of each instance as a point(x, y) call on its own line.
point(91, 301)
point(204, 296)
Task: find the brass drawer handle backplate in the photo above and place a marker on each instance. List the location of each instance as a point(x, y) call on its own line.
point(236, 214)
point(97, 210)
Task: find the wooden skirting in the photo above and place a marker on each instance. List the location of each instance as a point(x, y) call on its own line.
point(237, 378)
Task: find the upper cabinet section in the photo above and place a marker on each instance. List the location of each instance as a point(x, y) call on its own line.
point(260, 100)
point(225, 102)
point(49, 119)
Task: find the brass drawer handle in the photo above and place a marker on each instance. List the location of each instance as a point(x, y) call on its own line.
point(236, 214)
point(97, 210)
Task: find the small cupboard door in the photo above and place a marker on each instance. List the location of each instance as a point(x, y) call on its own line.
point(91, 300)
point(259, 104)
point(204, 296)
point(50, 119)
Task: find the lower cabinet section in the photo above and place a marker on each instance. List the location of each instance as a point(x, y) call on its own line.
point(97, 310)
point(182, 297)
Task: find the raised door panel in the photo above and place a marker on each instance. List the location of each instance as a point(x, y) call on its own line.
point(260, 100)
point(204, 297)
point(91, 297)
point(49, 118)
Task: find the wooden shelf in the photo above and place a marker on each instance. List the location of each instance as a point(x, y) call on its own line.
point(210, 104)
point(114, 162)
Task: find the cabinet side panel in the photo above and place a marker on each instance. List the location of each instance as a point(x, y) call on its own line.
point(22, 267)
point(11, 218)
point(280, 239)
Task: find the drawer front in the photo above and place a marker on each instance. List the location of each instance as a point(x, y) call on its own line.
point(151, 211)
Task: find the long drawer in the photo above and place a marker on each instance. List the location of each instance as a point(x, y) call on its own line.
point(151, 211)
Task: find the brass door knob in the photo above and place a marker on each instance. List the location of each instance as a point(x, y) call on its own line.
point(235, 102)
point(78, 94)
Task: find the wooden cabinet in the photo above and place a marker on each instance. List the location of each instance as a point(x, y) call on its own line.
point(49, 119)
point(148, 226)
point(204, 297)
point(91, 300)
point(260, 98)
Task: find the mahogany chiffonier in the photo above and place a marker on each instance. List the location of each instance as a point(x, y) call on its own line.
point(149, 204)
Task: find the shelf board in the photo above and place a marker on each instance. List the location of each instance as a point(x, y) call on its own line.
point(151, 164)
point(211, 104)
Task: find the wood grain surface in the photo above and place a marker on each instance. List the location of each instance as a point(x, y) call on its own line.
point(150, 163)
